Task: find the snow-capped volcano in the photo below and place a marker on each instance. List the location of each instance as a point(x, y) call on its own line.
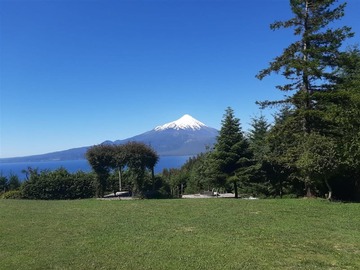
point(185, 122)
point(183, 137)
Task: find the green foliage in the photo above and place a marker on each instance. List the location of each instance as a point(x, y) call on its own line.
point(136, 157)
point(199, 176)
point(12, 194)
point(305, 144)
point(58, 185)
point(231, 158)
point(318, 160)
point(257, 137)
point(310, 63)
point(140, 157)
point(100, 159)
point(14, 182)
point(258, 183)
point(3, 184)
point(279, 164)
point(176, 179)
point(11, 183)
point(346, 116)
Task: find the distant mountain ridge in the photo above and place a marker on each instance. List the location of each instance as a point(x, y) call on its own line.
point(185, 136)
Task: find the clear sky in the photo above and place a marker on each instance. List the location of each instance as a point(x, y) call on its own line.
point(76, 73)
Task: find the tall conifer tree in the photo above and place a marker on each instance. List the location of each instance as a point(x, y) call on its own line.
point(309, 64)
point(231, 155)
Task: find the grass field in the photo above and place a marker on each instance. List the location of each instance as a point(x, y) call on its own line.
point(179, 234)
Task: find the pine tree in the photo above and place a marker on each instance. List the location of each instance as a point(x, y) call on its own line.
point(259, 182)
point(257, 137)
point(283, 144)
point(346, 113)
point(310, 65)
point(231, 156)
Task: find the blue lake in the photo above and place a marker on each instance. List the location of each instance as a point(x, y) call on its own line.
point(165, 162)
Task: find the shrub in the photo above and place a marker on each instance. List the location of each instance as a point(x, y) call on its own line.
point(59, 185)
point(12, 194)
point(7, 184)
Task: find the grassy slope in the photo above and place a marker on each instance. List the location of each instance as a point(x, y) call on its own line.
point(179, 234)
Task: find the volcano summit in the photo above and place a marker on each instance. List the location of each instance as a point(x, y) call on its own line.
point(183, 137)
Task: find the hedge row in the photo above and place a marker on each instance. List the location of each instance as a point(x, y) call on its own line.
point(58, 185)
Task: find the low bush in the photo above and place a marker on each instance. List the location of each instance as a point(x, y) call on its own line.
point(12, 194)
point(58, 185)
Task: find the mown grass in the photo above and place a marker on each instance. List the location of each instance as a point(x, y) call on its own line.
point(179, 234)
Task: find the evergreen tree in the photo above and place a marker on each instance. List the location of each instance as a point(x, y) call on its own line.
point(310, 66)
point(257, 137)
point(199, 178)
point(231, 156)
point(283, 144)
point(346, 114)
point(259, 182)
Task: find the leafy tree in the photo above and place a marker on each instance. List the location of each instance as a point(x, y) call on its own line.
point(319, 160)
point(310, 65)
point(119, 160)
point(137, 157)
point(231, 155)
point(140, 157)
point(100, 158)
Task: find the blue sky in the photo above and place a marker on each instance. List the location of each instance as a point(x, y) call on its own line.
point(77, 73)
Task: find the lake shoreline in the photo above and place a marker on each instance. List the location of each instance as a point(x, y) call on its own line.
point(15, 168)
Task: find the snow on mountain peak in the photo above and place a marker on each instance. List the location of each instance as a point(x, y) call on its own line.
point(185, 122)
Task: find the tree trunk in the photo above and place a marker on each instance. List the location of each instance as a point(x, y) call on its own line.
point(357, 189)
point(308, 192)
point(329, 197)
point(306, 87)
point(236, 190)
point(120, 177)
point(153, 178)
point(307, 187)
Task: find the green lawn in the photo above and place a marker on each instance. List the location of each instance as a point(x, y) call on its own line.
point(179, 234)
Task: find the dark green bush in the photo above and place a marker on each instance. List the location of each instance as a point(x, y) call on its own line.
point(58, 185)
point(9, 183)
